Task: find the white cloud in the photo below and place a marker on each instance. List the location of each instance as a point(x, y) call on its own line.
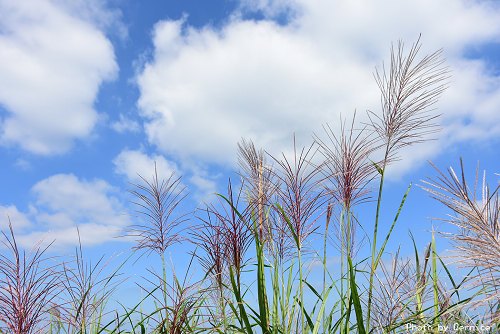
point(18, 219)
point(205, 183)
point(90, 235)
point(204, 88)
point(472, 102)
point(99, 13)
point(51, 66)
point(125, 124)
point(64, 202)
point(134, 163)
point(63, 205)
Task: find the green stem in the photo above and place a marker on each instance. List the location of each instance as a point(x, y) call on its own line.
point(283, 299)
point(348, 255)
point(164, 283)
point(301, 291)
point(324, 271)
point(434, 276)
point(223, 307)
point(372, 271)
point(341, 267)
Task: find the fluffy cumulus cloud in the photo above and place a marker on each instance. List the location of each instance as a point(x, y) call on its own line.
point(51, 65)
point(134, 163)
point(206, 88)
point(97, 12)
point(64, 206)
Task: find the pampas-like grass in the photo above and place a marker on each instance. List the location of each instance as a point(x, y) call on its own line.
point(475, 211)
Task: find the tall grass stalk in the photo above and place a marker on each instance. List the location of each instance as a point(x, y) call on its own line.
point(347, 173)
point(28, 281)
point(86, 290)
point(156, 201)
point(435, 282)
point(409, 90)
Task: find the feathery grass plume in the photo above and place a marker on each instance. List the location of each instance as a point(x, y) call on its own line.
point(409, 90)
point(27, 286)
point(391, 293)
point(281, 245)
point(258, 175)
point(238, 236)
point(85, 290)
point(300, 195)
point(348, 169)
point(210, 238)
point(403, 295)
point(478, 240)
point(347, 172)
point(157, 201)
point(224, 238)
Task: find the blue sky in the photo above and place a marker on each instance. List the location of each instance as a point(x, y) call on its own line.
point(92, 92)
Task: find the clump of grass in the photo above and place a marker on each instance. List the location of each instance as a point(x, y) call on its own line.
point(280, 207)
point(28, 281)
point(223, 238)
point(476, 211)
point(182, 310)
point(392, 292)
point(85, 290)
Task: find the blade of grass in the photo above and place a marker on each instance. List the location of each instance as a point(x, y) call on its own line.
point(242, 317)
point(261, 288)
point(321, 311)
point(392, 227)
point(126, 314)
point(435, 283)
point(356, 301)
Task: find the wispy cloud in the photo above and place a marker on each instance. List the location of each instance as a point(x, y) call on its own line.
point(125, 124)
point(205, 183)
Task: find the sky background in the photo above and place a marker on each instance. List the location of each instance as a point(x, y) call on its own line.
point(92, 92)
